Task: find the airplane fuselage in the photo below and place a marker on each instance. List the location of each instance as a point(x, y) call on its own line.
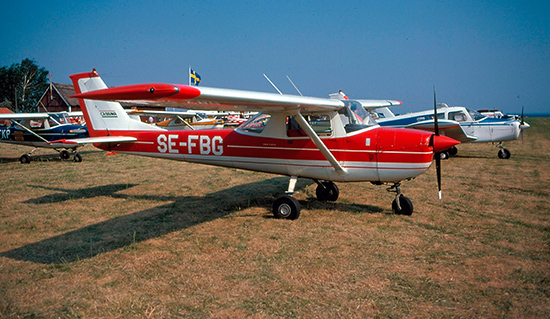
point(17, 135)
point(484, 129)
point(375, 154)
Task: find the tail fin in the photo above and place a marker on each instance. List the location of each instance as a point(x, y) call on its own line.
point(103, 116)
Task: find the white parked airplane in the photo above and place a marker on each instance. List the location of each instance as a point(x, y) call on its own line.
point(460, 123)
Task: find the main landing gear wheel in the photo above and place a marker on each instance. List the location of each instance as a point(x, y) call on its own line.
point(504, 153)
point(327, 191)
point(403, 207)
point(64, 155)
point(286, 207)
point(25, 159)
point(77, 158)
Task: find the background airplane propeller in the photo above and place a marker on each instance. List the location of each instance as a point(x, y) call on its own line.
point(521, 125)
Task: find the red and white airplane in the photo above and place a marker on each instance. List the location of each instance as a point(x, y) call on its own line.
point(326, 140)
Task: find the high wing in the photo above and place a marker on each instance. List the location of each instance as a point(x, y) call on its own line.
point(447, 128)
point(204, 98)
point(24, 116)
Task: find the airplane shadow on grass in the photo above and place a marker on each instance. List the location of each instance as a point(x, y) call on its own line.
point(182, 212)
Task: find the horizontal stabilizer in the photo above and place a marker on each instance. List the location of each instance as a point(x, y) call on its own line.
point(69, 143)
point(374, 104)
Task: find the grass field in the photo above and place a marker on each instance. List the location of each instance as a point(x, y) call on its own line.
point(131, 237)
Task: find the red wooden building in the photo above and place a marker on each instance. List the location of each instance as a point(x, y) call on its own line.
point(56, 99)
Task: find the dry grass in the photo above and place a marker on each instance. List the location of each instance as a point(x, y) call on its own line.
point(124, 237)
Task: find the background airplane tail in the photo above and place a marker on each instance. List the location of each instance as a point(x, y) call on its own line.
point(103, 117)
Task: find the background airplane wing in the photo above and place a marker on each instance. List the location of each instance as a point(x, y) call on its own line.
point(204, 98)
point(24, 116)
point(448, 128)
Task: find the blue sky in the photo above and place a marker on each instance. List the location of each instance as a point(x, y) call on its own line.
point(479, 54)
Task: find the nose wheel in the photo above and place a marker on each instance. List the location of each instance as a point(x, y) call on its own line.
point(401, 205)
point(502, 152)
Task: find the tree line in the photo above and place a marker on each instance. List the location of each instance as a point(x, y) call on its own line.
point(22, 85)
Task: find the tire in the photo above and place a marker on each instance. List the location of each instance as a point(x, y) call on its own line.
point(25, 159)
point(444, 155)
point(452, 151)
point(329, 192)
point(77, 158)
point(504, 153)
point(406, 206)
point(286, 207)
point(64, 155)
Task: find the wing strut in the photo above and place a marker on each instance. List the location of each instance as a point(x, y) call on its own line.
point(317, 141)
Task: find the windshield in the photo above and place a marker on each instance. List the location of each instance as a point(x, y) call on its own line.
point(59, 118)
point(355, 117)
point(475, 115)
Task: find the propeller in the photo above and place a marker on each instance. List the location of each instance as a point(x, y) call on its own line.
point(438, 154)
point(521, 125)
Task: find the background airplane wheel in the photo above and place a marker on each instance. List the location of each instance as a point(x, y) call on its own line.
point(329, 192)
point(25, 159)
point(77, 158)
point(286, 207)
point(453, 151)
point(64, 155)
point(444, 155)
point(504, 153)
point(406, 206)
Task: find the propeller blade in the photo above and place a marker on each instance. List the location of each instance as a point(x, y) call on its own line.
point(436, 123)
point(522, 122)
point(438, 171)
point(438, 154)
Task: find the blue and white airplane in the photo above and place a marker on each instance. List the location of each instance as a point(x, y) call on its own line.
point(460, 123)
point(47, 130)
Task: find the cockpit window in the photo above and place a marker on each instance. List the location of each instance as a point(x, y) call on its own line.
point(256, 124)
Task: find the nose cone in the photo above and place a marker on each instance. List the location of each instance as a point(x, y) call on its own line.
point(524, 126)
point(441, 143)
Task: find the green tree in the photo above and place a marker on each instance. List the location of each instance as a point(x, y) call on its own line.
point(23, 84)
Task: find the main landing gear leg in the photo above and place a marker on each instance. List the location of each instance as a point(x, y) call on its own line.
point(503, 153)
point(401, 205)
point(287, 207)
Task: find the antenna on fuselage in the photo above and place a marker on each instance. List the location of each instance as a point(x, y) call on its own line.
point(294, 86)
point(276, 88)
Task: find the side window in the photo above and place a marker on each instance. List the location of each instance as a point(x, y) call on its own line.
point(457, 116)
point(319, 123)
point(293, 129)
point(256, 124)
